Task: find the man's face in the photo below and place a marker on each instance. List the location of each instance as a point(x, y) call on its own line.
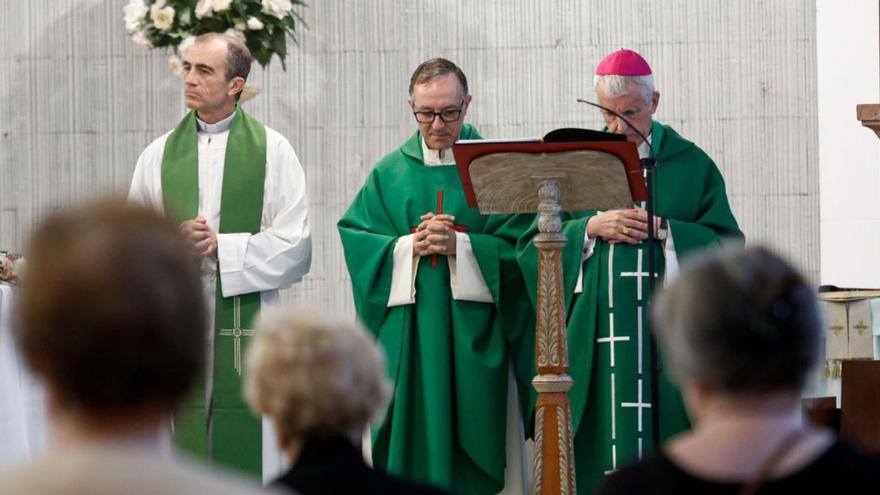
point(439, 94)
point(207, 90)
point(631, 105)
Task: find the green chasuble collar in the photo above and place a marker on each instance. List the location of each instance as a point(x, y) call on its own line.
point(224, 429)
point(413, 146)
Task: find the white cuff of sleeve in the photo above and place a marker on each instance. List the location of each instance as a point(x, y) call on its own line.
point(589, 246)
point(231, 251)
point(672, 270)
point(403, 273)
point(465, 278)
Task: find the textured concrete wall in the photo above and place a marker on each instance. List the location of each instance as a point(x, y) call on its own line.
point(79, 101)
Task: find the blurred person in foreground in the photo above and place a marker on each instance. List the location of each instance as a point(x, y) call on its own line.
point(321, 381)
point(112, 320)
point(740, 330)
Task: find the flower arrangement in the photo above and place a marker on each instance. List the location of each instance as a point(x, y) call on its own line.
point(263, 25)
point(11, 267)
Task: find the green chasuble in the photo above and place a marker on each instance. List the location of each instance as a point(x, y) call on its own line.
point(222, 429)
point(608, 347)
point(447, 358)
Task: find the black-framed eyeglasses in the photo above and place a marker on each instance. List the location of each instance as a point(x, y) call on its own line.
point(448, 115)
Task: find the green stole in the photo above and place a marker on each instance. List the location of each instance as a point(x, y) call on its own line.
point(224, 430)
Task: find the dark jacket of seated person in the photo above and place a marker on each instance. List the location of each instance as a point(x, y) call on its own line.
point(739, 331)
point(333, 465)
point(840, 468)
point(321, 380)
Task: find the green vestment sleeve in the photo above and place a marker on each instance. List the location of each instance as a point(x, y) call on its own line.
point(369, 235)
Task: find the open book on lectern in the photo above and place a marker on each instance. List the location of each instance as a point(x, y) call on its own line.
point(595, 170)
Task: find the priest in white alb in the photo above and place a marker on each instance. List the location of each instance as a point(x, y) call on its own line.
point(238, 192)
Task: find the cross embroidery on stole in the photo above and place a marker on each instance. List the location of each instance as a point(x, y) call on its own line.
point(236, 332)
point(611, 339)
point(638, 404)
point(639, 275)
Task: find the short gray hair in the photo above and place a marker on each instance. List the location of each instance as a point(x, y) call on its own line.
point(615, 86)
point(741, 320)
point(314, 374)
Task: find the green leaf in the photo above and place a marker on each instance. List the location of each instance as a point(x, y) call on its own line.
point(185, 17)
point(279, 43)
point(241, 7)
point(263, 56)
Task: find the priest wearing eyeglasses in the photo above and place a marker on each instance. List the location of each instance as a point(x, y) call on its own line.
point(438, 285)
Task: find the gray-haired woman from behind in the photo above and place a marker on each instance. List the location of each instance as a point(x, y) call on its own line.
point(739, 331)
point(321, 380)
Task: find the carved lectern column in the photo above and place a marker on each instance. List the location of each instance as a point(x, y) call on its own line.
point(553, 468)
point(524, 177)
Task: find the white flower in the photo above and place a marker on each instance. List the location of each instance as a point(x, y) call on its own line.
point(141, 39)
point(135, 15)
point(240, 26)
point(278, 8)
point(163, 18)
point(235, 33)
point(185, 44)
point(254, 24)
point(6, 266)
point(176, 65)
point(156, 7)
point(204, 8)
point(221, 5)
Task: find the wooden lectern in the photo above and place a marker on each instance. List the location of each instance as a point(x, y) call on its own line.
point(543, 177)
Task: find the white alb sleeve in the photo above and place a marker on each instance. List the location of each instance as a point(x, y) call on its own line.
point(465, 278)
point(403, 273)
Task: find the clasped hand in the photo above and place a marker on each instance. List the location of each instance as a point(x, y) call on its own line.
point(434, 235)
point(199, 236)
point(615, 226)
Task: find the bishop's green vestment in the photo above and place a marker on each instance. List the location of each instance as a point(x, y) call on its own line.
point(448, 358)
point(608, 345)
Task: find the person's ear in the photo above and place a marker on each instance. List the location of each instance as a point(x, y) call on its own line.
point(655, 100)
point(465, 105)
point(236, 86)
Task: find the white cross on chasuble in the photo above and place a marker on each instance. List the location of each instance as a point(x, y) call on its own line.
point(611, 339)
point(621, 427)
point(639, 274)
point(236, 332)
point(639, 405)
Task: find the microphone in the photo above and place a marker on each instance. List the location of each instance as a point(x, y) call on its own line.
point(621, 117)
